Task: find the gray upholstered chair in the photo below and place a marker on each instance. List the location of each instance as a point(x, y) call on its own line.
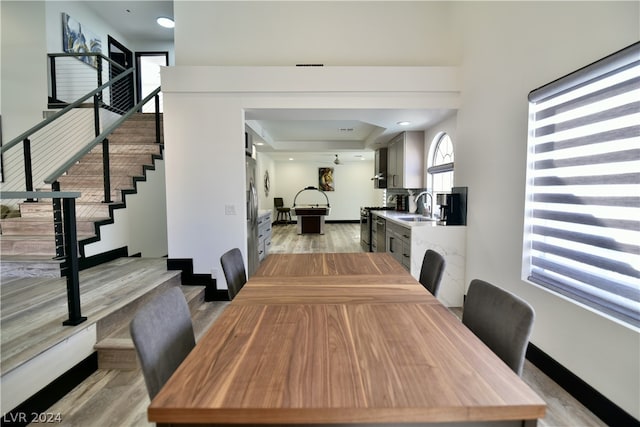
point(234, 272)
point(163, 336)
point(501, 320)
point(431, 272)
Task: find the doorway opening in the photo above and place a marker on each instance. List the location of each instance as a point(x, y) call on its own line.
point(122, 94)
point(148, 76)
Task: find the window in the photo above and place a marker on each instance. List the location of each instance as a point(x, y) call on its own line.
point(582, 217)
point(441, 169)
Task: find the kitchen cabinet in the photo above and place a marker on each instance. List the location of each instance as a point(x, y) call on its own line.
point(380, 168)
point(405, 160)
point(264, 235)
point(398, 240)
point(378, 234)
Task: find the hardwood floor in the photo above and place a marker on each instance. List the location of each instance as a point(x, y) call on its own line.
point(119, 398)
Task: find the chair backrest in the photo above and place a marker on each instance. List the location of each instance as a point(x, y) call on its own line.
point(278, 202)
point(163, 336)
point(234, 272)
point(501, 320)
point(432, 270)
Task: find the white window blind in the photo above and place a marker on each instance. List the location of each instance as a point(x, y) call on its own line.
point(582, 220)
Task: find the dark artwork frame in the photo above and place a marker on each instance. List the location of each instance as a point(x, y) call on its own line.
point(326, 179)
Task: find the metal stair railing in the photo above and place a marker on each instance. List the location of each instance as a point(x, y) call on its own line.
point(70, 242)
point(25, 136)
point(70, 77)
point(64, 202)
point(102, 138)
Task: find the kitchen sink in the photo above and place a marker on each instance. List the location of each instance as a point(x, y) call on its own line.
point(415, 218)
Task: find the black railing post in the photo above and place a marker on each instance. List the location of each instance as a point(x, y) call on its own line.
point(54, 83)
point(99, 69)
point(28, 171)
point(58, 228)
point(157, 101)
point(96, 114)
point(105, 171)
point(73, 276)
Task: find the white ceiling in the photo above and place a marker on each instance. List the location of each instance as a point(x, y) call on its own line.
point(314, 134)
point(307, 135)
point(136, 20)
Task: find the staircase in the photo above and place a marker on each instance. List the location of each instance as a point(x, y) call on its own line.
point(28, 241)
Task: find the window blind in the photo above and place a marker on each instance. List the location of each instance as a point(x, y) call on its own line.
point(582, 235)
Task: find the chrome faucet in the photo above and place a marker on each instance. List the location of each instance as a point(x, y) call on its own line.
point(430, 206)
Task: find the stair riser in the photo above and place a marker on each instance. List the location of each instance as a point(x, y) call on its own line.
point(42, 210)
point(88, 168)
point(40, 228)
point(28, 247)
point(9, 269)
point(124, 148)
point(119, 353)
point(132, 139)
point(90, 181)
point(119, 359)
point(117, 159)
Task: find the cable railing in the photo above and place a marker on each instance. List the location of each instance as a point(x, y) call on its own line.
point(70, 234)
point(51, 137)
point(71, 76)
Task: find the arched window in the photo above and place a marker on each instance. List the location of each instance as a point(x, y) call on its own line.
point(440, 171)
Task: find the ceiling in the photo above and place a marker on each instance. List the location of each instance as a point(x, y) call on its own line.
point(320, 134)
point(304, 135)
point(136, 20)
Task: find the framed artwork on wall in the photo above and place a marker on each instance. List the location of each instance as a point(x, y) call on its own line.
point(325, 179)
point(77, 39)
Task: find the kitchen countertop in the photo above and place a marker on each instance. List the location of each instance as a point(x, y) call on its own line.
point(395, 217)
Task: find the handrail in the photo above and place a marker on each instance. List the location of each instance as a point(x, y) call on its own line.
point(70, 54)
point(98, 139)
point(74, 104)
point(70, 244)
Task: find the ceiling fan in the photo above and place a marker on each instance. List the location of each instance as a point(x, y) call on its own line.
point(337, 160)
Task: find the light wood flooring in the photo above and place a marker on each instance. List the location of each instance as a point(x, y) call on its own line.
point(119, 398)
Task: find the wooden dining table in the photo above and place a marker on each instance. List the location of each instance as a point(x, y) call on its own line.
point(341, 339)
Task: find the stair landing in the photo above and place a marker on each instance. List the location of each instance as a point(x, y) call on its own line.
point(33, 309)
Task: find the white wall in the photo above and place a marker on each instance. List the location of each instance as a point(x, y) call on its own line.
point(353, 186)
point(505, 49)
point(504, 59)
point(330, 33)
point(87, 17)
point(23, 67)
point(142, 226)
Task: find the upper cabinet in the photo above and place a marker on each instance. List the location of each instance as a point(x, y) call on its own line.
point(405, 160)
point(380, 171)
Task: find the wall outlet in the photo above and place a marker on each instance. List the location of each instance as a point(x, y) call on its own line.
point(214, 273)
point(229, 209)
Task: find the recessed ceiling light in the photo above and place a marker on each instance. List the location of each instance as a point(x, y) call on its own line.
point(165, 22)
point(290, 158)
point(404, 123)
point(258, 143)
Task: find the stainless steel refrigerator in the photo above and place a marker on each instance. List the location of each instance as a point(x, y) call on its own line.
point(252, 216)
